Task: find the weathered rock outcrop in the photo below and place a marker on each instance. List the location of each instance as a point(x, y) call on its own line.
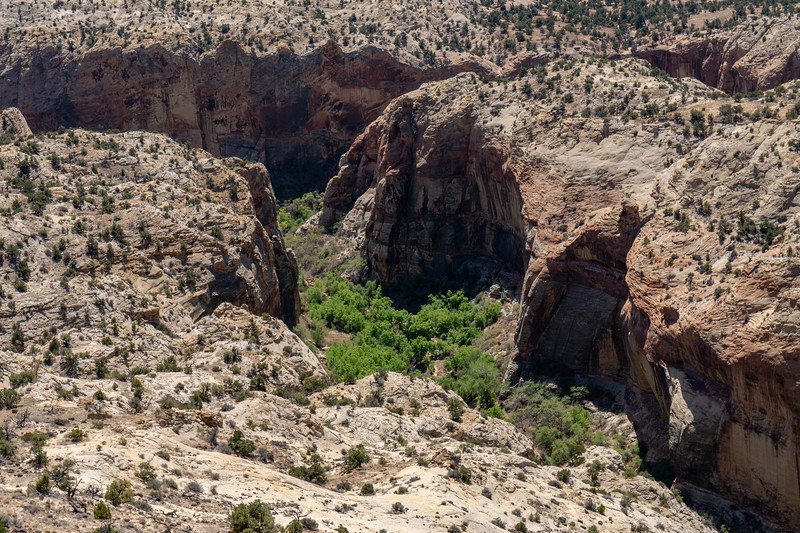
point(757, 55)
point(182, 232)
point(296, 114)
point(693, 307)
point(13, 123)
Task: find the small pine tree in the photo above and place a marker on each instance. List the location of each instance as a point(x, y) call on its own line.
point(119, 492)
point(102, 512)
point(253, 516)
point(43, 485)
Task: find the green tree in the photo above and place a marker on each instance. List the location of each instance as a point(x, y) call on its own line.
point(102, 512)
point(240, 445)
point(253, 517)
point(355, 457)
point(43, 484)
point(119, 492)
point(594, 472)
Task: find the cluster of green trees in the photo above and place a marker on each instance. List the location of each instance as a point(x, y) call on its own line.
point(631, 19)
point(395, 339)
point(293, 213)
point(561, 426)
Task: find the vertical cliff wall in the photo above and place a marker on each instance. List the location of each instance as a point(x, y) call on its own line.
point(296, 114)
point(428, 194)
point(755, 56)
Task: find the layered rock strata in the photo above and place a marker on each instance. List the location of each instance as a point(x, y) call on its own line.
point(295, 113)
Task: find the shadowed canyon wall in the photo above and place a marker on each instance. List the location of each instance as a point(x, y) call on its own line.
point(754, 56)
point(296, 114)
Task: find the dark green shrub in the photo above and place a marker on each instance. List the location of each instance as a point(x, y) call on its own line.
point(355, 457)
point(119, 492)
point(6, 448)
point(254, 517)
point(102, 512)
point(43, 484)
point(20, 379)
point(145, 472)
point(295, 526)
point(456, 408)
point(37, 449)
point(314, 472)
point(101, 367)
point(9, 398)
point(594, 472)
point(240, 445)
point(462, 473)
point(309, 524)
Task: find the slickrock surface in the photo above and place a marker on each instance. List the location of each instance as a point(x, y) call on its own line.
point(198, 480)
point(657, 248)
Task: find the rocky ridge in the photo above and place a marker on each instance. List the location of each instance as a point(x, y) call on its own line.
point(184, 230)
point(656, 242)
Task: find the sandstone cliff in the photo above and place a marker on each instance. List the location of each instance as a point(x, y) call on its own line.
point(651, 255)
point(755, 56)
point(294, 113)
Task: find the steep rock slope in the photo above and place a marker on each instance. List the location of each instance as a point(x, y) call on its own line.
point(655, 252)
point(755, 56)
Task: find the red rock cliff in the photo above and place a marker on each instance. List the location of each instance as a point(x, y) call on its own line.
point(755, 56)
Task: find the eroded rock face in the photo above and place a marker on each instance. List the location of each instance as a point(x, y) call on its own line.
point(429, 191)
point(632, 239)
point(758, 55)
point(13, 123)
point(294, 113)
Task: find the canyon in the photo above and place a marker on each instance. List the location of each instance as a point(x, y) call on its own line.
point(756, 56)
point(637, 227)
point(145, 341)
point(296, 114)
